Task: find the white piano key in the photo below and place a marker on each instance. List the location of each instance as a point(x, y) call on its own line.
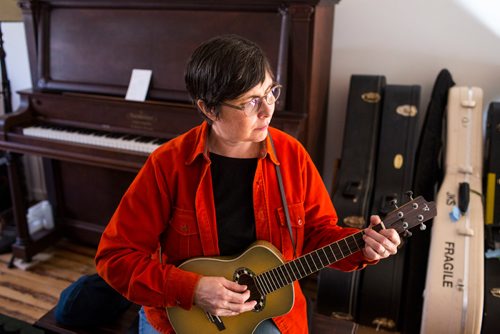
point(130, 143)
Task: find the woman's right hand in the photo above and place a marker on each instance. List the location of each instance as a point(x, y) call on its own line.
point(222, 297)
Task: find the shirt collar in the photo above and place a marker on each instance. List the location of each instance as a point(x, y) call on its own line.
point(201, 146)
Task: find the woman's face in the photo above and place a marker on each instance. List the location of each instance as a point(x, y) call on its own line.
point(235, 128)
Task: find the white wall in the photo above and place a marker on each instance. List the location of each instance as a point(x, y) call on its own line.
point(20, 78)
point(16, 59)
point(409, 42)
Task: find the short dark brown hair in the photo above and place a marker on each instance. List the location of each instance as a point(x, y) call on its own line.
point(224, 68)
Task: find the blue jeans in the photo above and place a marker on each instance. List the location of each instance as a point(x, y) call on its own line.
point(265, 327)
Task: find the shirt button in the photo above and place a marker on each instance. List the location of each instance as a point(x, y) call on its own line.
point(299, 221)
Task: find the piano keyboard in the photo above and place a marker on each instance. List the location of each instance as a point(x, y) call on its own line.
point(94, 137)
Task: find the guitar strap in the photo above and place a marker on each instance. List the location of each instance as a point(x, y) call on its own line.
point(283, 197)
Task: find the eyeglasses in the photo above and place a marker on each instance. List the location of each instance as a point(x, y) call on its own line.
point(252, 107)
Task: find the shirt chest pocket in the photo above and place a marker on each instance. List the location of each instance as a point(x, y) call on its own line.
point(297, 220)
point(182, 239)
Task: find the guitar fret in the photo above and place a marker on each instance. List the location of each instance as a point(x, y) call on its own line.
point(340, 255)
point(314, 256)
point(284, 273)
point(268, 285)
point(351, 243)
point(326, 262)
point(308, 261)
point(297, 271)
point(279, 280)
point(284, 281)
point(258, 281)
point(301, 261)
point(262, 284)
point(287, 268)
point(358, 236)
point(304, 272)
point(332, 257)
point(272, 280)
point(318, 257)
point(345, 249)
point(290, 265)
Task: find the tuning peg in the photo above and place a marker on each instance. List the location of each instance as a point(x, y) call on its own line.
point(422, 227)
point(394, 203)
point(407, 234)
point(409, 193)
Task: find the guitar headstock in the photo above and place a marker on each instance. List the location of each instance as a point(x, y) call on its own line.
point(413, 213)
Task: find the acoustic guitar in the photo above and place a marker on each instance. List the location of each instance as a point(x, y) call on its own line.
point(262, 269)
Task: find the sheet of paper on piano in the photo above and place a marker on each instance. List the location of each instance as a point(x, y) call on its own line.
point(139, 84)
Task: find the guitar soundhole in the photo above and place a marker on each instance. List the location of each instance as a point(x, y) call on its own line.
point(246, 276)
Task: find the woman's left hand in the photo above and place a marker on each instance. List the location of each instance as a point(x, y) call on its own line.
point(379, 245)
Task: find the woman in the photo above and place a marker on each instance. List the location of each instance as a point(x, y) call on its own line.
point(214, 191)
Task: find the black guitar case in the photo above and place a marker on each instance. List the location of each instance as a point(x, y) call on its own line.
point(492, 173)
point(429, 174)
point(491, 317)
point(337, 291)
point(492, 221)
point(381, 285)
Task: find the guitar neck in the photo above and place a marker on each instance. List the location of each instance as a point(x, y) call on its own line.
point(309, 263)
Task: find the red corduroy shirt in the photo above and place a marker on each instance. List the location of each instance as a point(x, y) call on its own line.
point(169, 209)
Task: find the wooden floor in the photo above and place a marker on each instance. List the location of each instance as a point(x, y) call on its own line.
point(29, 294)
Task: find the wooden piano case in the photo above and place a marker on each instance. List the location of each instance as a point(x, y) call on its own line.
point(82, 53)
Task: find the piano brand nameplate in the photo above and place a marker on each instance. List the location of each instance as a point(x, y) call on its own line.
point(142, 120)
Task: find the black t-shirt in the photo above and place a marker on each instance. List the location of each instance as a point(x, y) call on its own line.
point(232, 180)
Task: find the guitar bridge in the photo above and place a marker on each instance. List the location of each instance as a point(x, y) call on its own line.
point(216, 320)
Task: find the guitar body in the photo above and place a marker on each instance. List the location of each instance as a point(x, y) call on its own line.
point(454, 290)
point(258, 258)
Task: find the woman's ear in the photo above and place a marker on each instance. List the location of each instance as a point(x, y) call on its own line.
point(208, 112)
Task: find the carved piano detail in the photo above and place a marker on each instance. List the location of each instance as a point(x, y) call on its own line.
point(93, 142)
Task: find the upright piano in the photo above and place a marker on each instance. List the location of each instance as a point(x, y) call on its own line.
point(93, 142)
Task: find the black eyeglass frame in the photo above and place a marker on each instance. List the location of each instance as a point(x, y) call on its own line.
point(260, 98)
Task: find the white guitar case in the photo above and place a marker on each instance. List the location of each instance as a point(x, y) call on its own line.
point(454, 289)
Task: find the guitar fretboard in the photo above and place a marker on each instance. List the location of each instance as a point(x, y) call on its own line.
point(305, 265)
point(403, 218)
